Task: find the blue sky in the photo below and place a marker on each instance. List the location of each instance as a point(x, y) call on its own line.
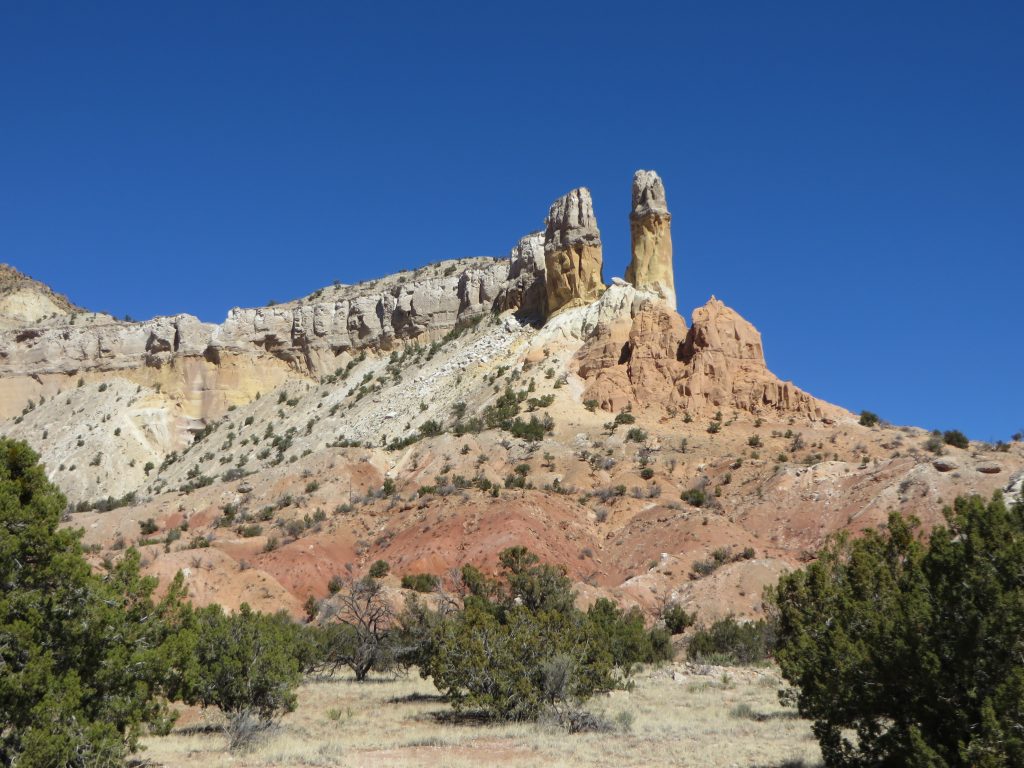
point(849, 177)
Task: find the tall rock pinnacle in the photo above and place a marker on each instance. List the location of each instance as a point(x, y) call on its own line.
point(650, 227)
point(572, 252)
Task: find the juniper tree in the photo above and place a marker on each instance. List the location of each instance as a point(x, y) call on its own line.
point(81, 662)
point(908, 651)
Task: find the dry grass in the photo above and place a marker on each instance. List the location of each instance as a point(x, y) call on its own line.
point(679, 716)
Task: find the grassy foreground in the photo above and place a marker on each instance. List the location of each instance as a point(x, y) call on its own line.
point(678, 714)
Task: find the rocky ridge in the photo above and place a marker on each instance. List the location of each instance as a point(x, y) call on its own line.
point(27, 301)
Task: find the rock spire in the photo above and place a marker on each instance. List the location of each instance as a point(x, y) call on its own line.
point(650, 228)
point(572, 253)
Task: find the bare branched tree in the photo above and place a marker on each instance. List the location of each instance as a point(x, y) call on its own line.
point(360, 623)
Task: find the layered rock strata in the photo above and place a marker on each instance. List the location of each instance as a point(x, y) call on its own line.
point(650, 229)
point(24, 300)
point(214, 366)
point(524, 290)
point(572, 253)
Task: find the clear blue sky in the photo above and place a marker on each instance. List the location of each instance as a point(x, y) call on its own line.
point(848, 176)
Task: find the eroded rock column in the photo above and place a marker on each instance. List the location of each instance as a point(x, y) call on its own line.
point(650, 227)
point(572, 253)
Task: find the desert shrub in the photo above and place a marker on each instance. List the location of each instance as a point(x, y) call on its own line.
point(502, 411)
point(868, 419)
point(504, 664)
point(420, 582)
point(706, 567)
point(430, 428)
point(626, 635)
point(956, 438)
point(532, 430)
point(636, 435)
point(646, 473)
point(676, 618)
point(520, 647)
point(728, 641)
point(907, 651)
point(80, 669)
point(148, 527)
point(540, 402)
point(379, 569)
point(243, 663)
point(695, 497)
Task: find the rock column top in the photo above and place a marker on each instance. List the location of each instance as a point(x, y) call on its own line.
point(571, 221)
point(572, 253)
point(648, 195)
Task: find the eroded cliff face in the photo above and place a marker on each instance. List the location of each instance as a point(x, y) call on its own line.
point(572, 253)
point(311, 334)
point(205, 368)
point(524, 290)
point(650, 268)
point(650, 358)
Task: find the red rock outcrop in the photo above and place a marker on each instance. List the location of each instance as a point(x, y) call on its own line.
point(651, 359)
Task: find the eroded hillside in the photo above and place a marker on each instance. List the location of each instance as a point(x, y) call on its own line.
point(437, 416)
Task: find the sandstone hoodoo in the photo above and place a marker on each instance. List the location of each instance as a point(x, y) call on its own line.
point(650, 229)
point(572, 253)
point(718, 363)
